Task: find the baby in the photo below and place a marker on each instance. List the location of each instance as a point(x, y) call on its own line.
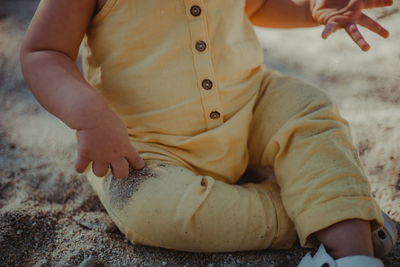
point(175, 104)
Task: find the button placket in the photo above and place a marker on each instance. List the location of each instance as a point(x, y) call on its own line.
point(208, 90)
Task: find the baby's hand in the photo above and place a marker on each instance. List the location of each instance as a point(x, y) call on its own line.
point(346, 14)
point(104, 141)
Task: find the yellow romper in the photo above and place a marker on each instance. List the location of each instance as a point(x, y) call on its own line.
point(186, 77)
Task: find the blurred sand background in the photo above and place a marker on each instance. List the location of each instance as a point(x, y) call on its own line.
point(49, 215)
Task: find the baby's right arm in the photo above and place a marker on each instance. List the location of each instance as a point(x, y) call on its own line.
point(48, 53)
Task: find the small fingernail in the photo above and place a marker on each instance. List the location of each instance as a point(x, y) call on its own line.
point(387, 34)
point(140, 163)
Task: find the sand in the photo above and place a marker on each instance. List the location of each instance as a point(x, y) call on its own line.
point(49, 215)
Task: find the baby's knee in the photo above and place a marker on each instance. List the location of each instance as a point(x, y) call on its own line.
point(311, 98)
point(299, 90)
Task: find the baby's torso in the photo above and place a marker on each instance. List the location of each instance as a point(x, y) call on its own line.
point(174, 70)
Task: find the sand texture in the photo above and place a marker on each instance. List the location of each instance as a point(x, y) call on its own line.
point(49, 215)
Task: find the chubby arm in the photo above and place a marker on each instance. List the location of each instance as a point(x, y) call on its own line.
point(280, 13)
point(335, 14)
point(48, 53)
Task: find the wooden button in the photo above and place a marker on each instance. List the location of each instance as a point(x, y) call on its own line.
point(207, 84)
point(201, 46)
point(215, 115)
point(195, 10)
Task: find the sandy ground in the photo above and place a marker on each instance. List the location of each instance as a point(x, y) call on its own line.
point(49, 216)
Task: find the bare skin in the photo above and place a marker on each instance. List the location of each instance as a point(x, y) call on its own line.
point(347, 238)
point(49, 50)
point(51, 46)
point(335, 14)
point(99, 5)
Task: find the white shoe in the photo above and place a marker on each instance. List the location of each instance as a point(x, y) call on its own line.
point(323, 259)
point(385, 237)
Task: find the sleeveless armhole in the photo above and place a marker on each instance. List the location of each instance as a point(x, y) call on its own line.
point(108, 6)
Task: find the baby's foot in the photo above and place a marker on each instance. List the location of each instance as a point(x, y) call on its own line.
point(385, 237)
point(322, 259)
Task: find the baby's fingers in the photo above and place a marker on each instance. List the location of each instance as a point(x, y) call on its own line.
point(134, 159)
point(377, 3)
point(355, 34)
point(372, 25)
point(100, 169)
point(120, 168)
point(81, 163)
point(330, 28)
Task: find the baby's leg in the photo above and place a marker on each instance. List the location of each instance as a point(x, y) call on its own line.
point(298, 130)
point(171, 207)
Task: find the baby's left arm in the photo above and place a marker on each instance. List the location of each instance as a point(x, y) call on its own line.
point(335, 14)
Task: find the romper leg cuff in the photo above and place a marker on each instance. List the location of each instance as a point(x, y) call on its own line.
point(334, 211)
point(285, 233)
